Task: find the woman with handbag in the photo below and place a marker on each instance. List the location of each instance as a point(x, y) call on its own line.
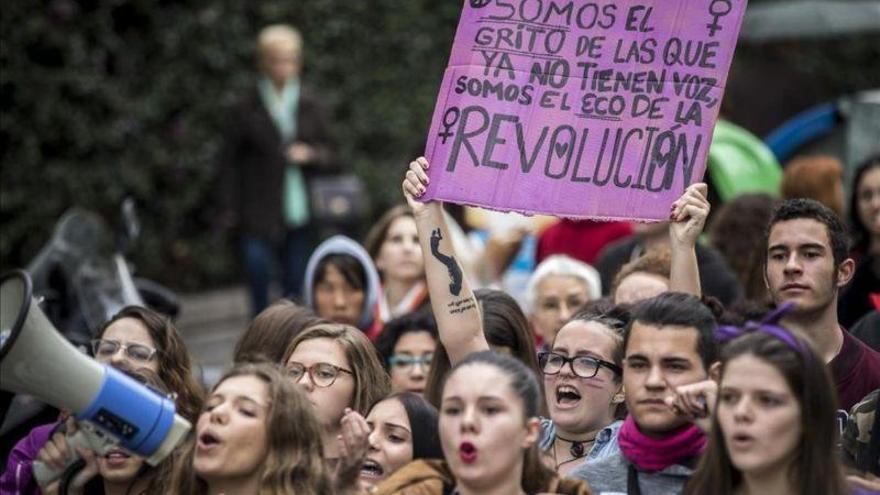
point(276, 142)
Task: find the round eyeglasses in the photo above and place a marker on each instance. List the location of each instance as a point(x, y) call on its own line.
point(105, 349)
point(321, 374)
point(582, 366)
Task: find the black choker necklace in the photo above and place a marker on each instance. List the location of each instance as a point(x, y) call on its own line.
point(578, 448)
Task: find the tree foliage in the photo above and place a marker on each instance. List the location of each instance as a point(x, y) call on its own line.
point(106, 99)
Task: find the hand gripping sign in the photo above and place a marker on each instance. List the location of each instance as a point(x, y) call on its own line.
point(580, 109)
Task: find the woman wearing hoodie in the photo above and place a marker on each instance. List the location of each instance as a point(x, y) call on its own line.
point(341, 283)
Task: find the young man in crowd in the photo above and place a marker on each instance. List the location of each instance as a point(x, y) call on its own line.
point(807, 264)
point(669, 343)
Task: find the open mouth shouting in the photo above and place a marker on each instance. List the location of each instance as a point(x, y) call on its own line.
point(116, 457)
point(208, 441)
point(468, 452)
point(567, 396)
point(372, 470)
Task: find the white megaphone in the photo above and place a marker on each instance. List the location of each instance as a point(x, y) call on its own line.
point(35, 359)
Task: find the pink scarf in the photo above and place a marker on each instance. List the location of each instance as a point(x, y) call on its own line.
point(652, 455)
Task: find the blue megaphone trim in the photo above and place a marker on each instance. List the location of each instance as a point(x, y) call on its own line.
point(137, 416)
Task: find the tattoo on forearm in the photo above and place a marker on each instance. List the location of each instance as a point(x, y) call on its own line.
point(461, 305)
point(455, 275)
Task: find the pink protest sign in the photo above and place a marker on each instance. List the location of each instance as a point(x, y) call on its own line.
point(580, 109)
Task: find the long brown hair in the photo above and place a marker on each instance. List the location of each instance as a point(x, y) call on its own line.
point(175, 369)
point(294, 460)
point(371, 382)
point(505, 326)
point(814, 470)
point(267, 337)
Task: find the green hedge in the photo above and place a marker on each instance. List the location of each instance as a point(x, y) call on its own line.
point(101, 100)
point(106, 99)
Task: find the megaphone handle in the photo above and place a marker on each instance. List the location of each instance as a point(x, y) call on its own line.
point(45, 474)
point(68, 475)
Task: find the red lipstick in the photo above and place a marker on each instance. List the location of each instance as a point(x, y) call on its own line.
point(468, 452)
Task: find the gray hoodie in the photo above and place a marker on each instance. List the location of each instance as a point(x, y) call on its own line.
point(340, 244)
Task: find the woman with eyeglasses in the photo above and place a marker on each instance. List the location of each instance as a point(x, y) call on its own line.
point(337, 368)
point(406, 347)
point(141, 338)
point(145, 338)
point(584, 388)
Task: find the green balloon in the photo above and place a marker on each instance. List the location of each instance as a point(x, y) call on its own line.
point(741, 163)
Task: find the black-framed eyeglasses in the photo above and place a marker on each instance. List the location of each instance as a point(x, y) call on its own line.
point(582, 366)
point(105, 349)
point(406, 362)
point(321, 374)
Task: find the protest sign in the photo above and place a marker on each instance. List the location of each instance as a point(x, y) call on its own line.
point(580, 109)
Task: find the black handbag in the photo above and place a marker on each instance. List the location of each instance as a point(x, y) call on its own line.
point(338, 199)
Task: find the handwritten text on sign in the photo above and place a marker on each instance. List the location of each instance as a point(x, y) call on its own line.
point(579, 108)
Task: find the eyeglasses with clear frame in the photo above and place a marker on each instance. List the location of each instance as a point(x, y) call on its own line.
point(105, 349)
point(322, 374)
point(582, 366)
point(406, 362)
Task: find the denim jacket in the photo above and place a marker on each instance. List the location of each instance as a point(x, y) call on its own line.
point(604, 445)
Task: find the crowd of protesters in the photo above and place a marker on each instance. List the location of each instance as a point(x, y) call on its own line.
point(643, 360)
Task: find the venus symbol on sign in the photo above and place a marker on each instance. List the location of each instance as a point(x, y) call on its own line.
point(449, 119)
point(717, 9)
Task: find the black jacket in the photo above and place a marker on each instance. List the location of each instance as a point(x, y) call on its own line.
point(252, 162)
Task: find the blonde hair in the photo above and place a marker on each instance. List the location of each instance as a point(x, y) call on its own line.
point(294, 460)
point(276, 35)
point(371, 382)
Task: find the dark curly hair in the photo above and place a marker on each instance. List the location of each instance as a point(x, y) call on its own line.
point(417, 321)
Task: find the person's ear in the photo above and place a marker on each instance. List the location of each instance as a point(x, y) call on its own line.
point(620, 396)
point(533, 427)
point(715, 372)
point(845, 272)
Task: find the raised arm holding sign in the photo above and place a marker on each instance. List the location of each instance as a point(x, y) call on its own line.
point(580, 109)
point(452, 300)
